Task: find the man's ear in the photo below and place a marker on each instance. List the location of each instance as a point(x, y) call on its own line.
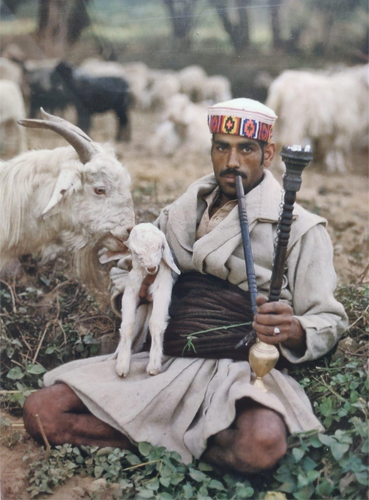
point(67, 182)
point(168, 258)
point(269, 152)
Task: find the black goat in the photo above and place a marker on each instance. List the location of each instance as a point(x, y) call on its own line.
point(42, 93)
point(95, 94)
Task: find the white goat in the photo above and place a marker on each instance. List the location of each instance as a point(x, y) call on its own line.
point(11, 110)
point(164, 86)
point(217, 88)
point(329, 111)
point(150, 255)
point(193, 81)
point(76, 196)
point(183, 127)
point(9, 70)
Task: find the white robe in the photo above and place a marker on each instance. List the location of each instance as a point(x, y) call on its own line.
point(192, 398)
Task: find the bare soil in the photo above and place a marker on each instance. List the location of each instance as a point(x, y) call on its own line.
point(341, 199)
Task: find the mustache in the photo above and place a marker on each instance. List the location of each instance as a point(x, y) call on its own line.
point(230, 171)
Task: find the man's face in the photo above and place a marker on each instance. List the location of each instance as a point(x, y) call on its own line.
point(230, 154)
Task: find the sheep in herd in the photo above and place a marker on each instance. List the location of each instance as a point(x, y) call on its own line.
point(183, 126)
point(10, 71)
point(92, 94)
point(193, 80)
point(328, 111)
point(166, 139)
point(11, 110)
point(165, 85)
point(199, 87)
point(217, 89)
point(136, 74)
point(98, 67)
point(42, 92)
point(150, 254)
point(76, 196)
point(13, 52)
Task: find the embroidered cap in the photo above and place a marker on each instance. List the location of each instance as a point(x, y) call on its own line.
point(244, 117)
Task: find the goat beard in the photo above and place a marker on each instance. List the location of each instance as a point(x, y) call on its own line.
point(88, 266)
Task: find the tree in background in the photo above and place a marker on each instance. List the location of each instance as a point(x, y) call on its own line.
point(274, 8)
point(60, 24)
point(235, 21)
point(78, 20)
point(331, 12)
point(10, 7)
point(182, 18)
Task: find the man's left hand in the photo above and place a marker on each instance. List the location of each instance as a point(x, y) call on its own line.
point(272, 317)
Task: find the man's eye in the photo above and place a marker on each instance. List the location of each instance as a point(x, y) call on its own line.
point(246, 149)
point(100, 190)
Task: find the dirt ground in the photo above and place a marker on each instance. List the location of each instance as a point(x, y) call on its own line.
point(342, 200)
point(15, 444)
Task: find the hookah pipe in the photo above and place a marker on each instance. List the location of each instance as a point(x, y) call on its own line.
point(263, 357)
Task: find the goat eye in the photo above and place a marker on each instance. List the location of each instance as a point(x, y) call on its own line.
point(100, 190)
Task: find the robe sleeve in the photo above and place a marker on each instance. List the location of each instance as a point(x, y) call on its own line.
point(312, 281)
point(162, 220)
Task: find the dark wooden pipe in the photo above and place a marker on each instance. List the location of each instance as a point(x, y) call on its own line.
point(246, 240)
point(296, 159)
point(249, 261)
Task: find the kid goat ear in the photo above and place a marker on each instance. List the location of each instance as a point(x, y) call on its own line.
point(168, 258)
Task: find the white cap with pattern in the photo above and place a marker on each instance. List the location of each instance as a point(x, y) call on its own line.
point(244, 117)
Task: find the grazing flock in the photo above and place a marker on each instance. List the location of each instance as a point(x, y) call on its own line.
point(327, 109)
point(97, 86)
point(78, 197)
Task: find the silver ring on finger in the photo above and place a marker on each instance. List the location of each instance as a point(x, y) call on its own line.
point(276, 331)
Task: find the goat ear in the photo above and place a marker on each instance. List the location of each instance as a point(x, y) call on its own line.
point(67, 182)
point(106, 255)
point(168, 258)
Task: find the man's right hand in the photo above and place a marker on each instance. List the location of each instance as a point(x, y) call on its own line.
point(144, 293)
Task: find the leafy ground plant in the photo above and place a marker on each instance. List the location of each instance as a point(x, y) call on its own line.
point(44, 323)
point(152, 473)
point(53, 320)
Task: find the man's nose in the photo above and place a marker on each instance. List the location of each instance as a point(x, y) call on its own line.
point(233, 159)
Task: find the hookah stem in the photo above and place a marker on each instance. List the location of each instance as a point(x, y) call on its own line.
point(284, 229)
point(246, 240)
point(295, 159)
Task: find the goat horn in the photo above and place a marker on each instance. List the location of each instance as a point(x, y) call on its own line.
point(57, 119)
point(72, 134)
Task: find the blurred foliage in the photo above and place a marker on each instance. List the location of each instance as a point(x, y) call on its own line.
point(306, 26)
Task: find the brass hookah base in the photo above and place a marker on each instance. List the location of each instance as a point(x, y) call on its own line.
point(262, 358)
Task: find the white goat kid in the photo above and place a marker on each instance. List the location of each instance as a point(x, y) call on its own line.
point(150, 255)
point(77, 197)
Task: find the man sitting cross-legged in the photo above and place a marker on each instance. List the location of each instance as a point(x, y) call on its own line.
point(203, 404)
